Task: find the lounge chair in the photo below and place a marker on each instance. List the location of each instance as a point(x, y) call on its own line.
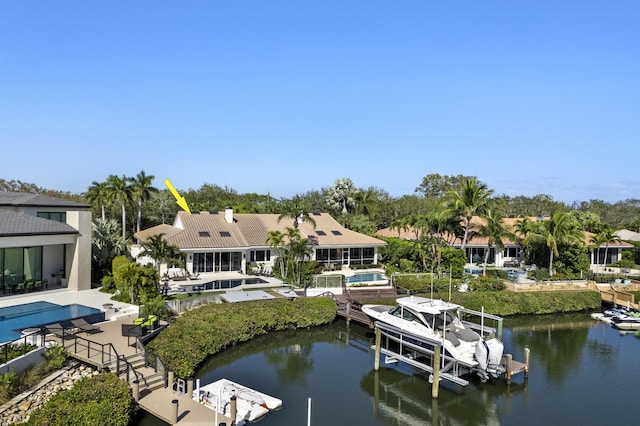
point(83, 325)
point(57, 330)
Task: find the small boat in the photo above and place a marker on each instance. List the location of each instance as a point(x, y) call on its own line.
point(251, 405)
point(433, 319)
point(626, 323)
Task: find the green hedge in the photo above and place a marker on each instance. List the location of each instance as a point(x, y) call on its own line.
point(211, 328)
point(422, 283)
point(506, 303)
point(102, 399)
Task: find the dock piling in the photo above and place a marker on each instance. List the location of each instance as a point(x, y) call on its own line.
point(135, 390)
point(190, 387)
point(527, 352)
point(508, 367)
point(170, 379)
point(376, 362)
point(233, 409)
point(435, 386)
point(174, 419)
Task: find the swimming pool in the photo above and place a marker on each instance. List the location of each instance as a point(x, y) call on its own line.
point(14, 319)
point(364, 277)
point(224, 284)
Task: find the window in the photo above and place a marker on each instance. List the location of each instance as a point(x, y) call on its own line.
point(55, 216)
point(260, 255)
point(225, 234)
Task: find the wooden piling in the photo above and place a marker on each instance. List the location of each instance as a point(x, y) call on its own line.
point(376, 362)
point(508, 366)
point(526, 361)
point(170, 379)
point(348, 313)
point(190, 387)
point(174, 419)
point(435, 386)
point(233, 409)
point(135, 390)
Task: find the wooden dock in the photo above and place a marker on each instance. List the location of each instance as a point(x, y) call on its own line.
point(348, 304)
point(618, 295)
point(155, 395)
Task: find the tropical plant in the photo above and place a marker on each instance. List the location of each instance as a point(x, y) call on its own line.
point(298, 211)
point(606, 237)
point(471, 198)
point(106, 243)
point(98, 193)
point(275, 239)
point(141, 190)
point(561, 228)
point(157, 248)
point(341, 196)
point(495, 230)
point(119, 190)
point(366, 201)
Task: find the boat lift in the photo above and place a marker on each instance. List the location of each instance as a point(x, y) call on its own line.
point(429, 355)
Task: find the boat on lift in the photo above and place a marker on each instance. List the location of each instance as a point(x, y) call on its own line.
point(437, 320)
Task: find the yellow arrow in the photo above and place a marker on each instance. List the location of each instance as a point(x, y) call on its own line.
point(179, 199)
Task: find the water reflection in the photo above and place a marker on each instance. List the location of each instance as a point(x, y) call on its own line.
point(556, 341)
point(292, 363)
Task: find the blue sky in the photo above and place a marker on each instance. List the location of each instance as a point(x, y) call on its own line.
point(283, 97)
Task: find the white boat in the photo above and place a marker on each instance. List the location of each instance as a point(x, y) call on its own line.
point(251, 405)
point(626, 323)
point(434, 319)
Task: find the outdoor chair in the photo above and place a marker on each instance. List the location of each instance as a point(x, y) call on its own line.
point(57, 330)
point(83, 325)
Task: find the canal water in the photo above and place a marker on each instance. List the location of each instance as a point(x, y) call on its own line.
point(581, 372)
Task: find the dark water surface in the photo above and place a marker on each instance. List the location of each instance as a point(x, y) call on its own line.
point(581, 372)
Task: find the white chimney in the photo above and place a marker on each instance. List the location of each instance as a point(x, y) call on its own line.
point(228, 214)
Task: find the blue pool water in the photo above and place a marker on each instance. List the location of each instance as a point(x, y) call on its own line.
point(365, 277)
point(14, 319)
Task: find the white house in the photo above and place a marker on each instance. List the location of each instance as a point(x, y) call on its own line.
point(216, 242)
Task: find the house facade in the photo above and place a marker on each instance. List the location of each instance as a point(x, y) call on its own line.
point(217, 242)
point(512, 255)
point(45, 243)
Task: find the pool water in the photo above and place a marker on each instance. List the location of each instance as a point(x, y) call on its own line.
point(365, 277)
point(225, 284)
point(14, 319)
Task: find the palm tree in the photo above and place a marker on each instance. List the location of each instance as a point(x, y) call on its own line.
point(495, 231)
point(605, 237)
point(340, 196)
point(298, 211)
point(118, 189)
point(98, 193)
point(134, 278)
point(160, 250)
point(275, 239)
point(141, 191)
point(561, 228)
point(366, 201)
point(472, 198)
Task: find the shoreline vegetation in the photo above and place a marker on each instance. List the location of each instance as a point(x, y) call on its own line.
point(209, 329)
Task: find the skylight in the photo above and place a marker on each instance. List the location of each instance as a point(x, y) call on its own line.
point(321, 233)
point(204, 234)
point(225, 234)
point(336, 232)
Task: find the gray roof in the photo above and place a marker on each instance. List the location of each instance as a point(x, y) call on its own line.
point(18, 224)
point(33, 200)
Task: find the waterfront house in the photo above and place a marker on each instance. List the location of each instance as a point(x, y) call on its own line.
point(218, 242)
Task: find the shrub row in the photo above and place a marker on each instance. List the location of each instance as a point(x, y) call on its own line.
point(103, 399)
point(422, 283)
point(506, 303)
point(211, 328)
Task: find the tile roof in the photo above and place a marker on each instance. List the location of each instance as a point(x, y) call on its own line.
point(15, 199)
point(18, 224)
point(203, 230)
